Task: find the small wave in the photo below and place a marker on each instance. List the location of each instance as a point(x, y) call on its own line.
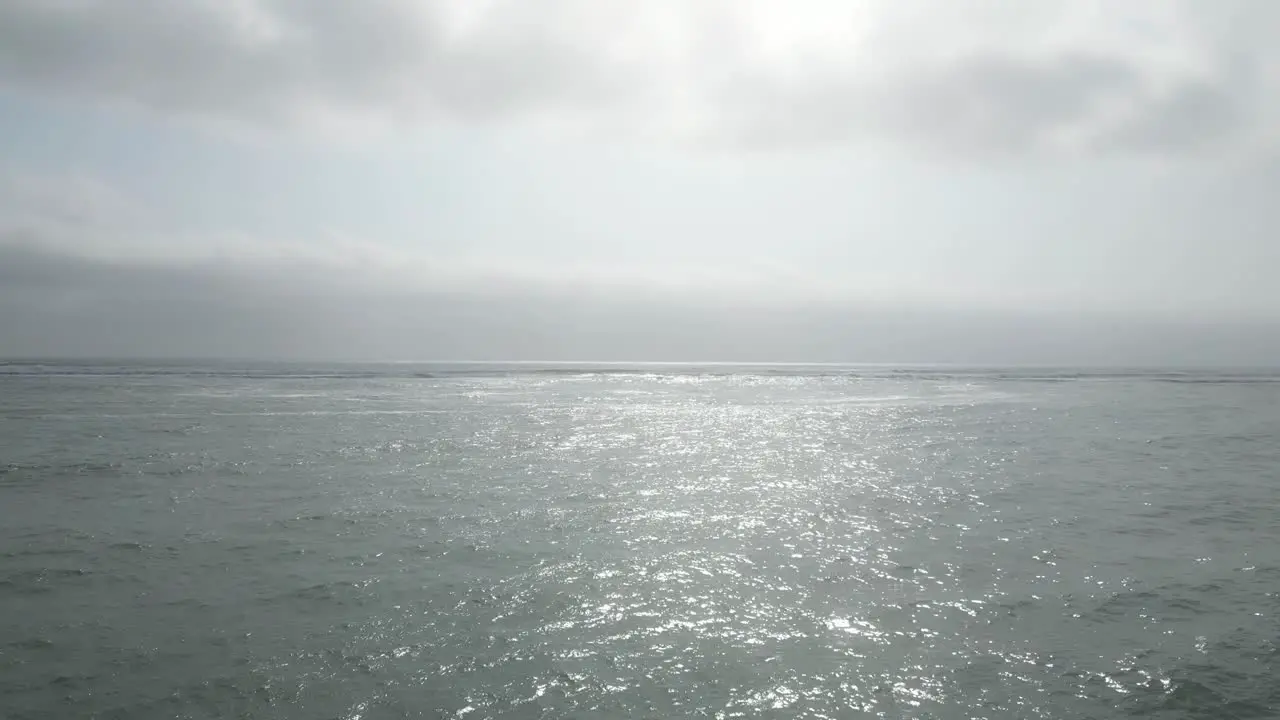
point(41, 552)
point(1199, 693)
point(32, 643)
point(41, 581)
point(1221, 380)
point(61, 469)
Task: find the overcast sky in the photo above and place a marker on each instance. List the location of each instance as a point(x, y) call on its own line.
point(974, 181)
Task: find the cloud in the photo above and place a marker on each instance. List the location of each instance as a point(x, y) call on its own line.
point(324, 63)
point(72, 222)
point(81, 276)
point(1060, 258)
point(52, 304)
point(975, 105)
point(1080, 76)
point(64, 205)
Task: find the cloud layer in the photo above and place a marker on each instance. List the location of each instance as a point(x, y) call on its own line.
point(54, 305)
point(80, 276)
point(119, 233)
point(1149, 76)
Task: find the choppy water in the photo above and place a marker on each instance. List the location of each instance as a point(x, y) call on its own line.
point(533, 542)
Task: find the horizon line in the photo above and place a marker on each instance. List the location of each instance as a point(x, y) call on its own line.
point(81, 359)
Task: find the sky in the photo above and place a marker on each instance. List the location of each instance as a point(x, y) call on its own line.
point(946, 181)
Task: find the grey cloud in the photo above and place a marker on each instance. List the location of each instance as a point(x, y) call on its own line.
point(59, 305)
point(994, 104)
point(278, 62)
point(285, 61)
point(1196, 116)
point(981, 104)
point(997, 102)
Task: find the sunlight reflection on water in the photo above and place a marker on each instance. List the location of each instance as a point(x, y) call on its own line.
point(653, 545)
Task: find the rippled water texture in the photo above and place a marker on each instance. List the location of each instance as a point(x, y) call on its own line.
point(401, 541)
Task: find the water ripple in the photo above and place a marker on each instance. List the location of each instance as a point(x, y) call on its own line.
point(643, 544)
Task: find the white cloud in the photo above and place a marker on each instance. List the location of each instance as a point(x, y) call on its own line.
point(972, 76)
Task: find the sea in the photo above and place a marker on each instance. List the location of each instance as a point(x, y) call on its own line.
point(539, 540)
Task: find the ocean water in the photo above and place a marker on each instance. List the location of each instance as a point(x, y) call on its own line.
point(403, 541)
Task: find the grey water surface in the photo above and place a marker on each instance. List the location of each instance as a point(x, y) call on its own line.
point(228, 540)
